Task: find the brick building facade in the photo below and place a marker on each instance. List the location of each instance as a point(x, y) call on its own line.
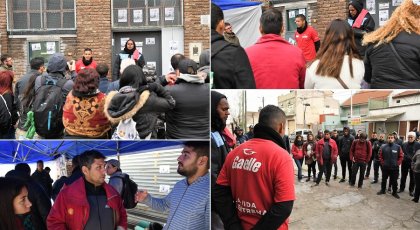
point(96, 29)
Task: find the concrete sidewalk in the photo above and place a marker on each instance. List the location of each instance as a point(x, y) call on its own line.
point(339, 206)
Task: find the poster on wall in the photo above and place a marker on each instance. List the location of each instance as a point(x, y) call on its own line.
point(122, 15)
point(154, 14)
point(169, 14)
point(123, 41)
point(396, 2)
point(195, 51)
point(302, 11)
point(51, 47)
point(36, 46)
point(150, 41)
point(383, 6)
point(383, 17)
point(137, 16)
point(371, 6)
point(292, 14)
point(173, 47)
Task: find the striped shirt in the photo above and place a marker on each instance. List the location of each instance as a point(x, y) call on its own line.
point(188, 204)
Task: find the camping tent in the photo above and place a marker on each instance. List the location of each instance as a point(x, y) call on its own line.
point(31, 151)
point(244, 17)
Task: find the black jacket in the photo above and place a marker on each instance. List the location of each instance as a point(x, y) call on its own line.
point(230, 65)
point(384, 71)
point(143, 108)
point(367, 26)
point(11, 105)
point(409, 150)
point(375, 148)
point(44, 179)
point(344, 145)
point(190, 117)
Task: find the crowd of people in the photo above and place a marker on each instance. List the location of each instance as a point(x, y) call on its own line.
point(353, 53)
point(261, 161)
point(85, 201)
point(78, 100)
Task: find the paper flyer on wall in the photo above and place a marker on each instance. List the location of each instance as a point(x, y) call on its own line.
point(173, 47)
point(122, 15)
point(383, 17)
point(36, 46)
point(154, 14)
point(150, 41)
point(396, 2)
point(51, 47)
point(371, 6)
point(169, 14)
point(383, 6)
point(137, 16)
point(302, 11)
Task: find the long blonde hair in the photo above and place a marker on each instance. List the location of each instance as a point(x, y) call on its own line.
point(404, 18)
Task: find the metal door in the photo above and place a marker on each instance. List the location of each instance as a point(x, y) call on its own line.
point(149, 44)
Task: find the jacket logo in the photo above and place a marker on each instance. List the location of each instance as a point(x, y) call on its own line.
point(248, 152)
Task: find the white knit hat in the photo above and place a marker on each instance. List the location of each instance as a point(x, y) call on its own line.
point(412, 134)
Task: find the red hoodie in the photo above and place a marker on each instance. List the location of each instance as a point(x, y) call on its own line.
point(360, 151)
point(276, 64)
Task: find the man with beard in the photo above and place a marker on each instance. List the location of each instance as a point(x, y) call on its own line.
point(369, 165)
point(306, 38)
point(361, 23)
point(6, 62)
point(229, 35)
point(375, 153)
point(344, 145)
point(86, 61)
point(89, 202)
point(219, 146)
point(390, 156)
point(256, 183)
point(188, 202)
point(326, 154)
point(409, 148)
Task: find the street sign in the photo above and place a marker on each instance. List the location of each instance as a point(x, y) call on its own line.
point(355, 120)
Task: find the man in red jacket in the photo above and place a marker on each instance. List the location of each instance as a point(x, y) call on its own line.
point(89, 202)
point(326, 152)
point(360, 153)
point(276, 63)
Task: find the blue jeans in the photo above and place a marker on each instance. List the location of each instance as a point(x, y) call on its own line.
point(299, 165)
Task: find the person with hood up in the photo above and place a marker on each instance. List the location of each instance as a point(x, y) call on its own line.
point(138, 100)
point(361, 22)
point(130, 51)
point(187, 120)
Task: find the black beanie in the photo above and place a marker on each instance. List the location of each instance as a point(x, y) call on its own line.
point(357, 5)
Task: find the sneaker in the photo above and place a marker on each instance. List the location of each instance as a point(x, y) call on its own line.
point(316, 184)
point(308, 179)
point(400, 191)
point(395, 195)
point(415, 200)
point(342, 180)
point(380, 192)
point(351, 185)
point(374, 182)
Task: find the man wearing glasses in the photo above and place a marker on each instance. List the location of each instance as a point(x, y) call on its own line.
point(409, 148)
point(6, 62)
point(229, 35)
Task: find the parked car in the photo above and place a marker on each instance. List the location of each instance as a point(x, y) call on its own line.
point(302, 132)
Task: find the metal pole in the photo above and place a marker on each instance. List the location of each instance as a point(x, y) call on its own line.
point(304, 116)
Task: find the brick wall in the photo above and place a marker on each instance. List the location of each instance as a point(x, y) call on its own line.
point(93, 29)
point(328, 11)
point(193, 30)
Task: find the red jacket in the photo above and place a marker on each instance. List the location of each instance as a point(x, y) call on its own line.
point(319, 149)
point(297, 153)
point(360, 151)
point(276, 63)
point(80, 65)
point(71, 208)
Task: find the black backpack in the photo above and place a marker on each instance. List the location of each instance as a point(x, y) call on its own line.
point(5, 116)
point(129, 192)
point(48, 108)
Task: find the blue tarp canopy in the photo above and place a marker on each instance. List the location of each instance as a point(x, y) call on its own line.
point(31, 151)
point(231, 4)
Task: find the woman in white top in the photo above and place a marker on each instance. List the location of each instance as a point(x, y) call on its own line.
point(337, 59)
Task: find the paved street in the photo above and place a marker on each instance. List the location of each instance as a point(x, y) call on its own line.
point(340, 207)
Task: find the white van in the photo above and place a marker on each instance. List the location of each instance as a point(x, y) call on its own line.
point(302, 132)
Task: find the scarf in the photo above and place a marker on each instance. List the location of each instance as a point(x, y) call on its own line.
point(87, 62)
point(26, 221)
point(301, 30)
point(267, 133)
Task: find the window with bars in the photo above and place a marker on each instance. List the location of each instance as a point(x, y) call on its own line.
point(146, 13)
point(41, 15)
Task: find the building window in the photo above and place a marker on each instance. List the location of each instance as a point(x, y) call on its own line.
point(146, 13)
point(41, 15)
